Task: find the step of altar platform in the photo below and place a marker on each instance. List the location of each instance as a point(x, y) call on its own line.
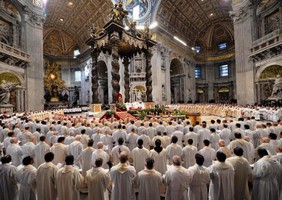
point(125, 115)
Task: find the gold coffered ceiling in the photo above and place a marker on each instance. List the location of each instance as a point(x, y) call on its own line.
point(76, 16)
point(188, 18)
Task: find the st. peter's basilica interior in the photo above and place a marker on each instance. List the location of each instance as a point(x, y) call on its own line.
point(81, 52)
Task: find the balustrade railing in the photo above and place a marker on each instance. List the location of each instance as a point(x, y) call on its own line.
point(14, 52)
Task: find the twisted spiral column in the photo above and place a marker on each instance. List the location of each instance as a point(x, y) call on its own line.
point(126, 63)
point(149, 88)
point(115, 73)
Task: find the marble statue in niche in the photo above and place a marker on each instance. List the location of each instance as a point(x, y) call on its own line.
point(277, 88)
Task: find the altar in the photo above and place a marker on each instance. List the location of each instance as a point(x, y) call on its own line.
point(193, 117)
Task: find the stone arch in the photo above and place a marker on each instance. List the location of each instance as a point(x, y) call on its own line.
point(261, 70)
point(177, 77)
point(12, 77)
point(134, 88)
point(264, 79)
point(201, 95)
point(223, 94)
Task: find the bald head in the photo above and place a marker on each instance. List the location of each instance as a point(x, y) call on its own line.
point(221, 143)
point(100, 145)
point(176, 160)
point(77, 138)
point(264, 140)
point(123, 157)
point(14, 140)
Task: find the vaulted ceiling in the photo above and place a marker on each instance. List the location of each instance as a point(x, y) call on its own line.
point(188, 19)
point(76, 16)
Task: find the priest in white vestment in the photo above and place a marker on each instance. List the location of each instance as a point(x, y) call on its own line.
point(204, 134)
point(239, 142)
point(139, 155)
point(149, 182)
point(123, 176)
point(86, 157)
point(266, 173)
point(242, 173)
point(100, 153)
point(8, 182)
point(27, 180)
point(222, 179)
point(159, 154)
point(69, 181)
point(191, 135)
point(28, 148)
point(98, 181)
point(200, 178)
point(46, 179)
point(188, 154)
point(117, 150)
point(225, 134)
point(60, 151)
point(173, 149)
point(208, 153)
point(132, 140)
point(75, 149)
point(40, 150)
point(177, 180)
point(15, 151)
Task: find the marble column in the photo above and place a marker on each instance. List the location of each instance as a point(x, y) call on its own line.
point(115, 73)
point(32, 43)
point(242, 17)
point(148, 56)
point(94, 54)
point(167, 62)
point(126, 63)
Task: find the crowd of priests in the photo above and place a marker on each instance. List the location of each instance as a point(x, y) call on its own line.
point(151, 159)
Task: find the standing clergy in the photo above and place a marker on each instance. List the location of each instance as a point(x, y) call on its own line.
point(149, 182)
point(159, 154)
point(139, 155)
point(265, 173)
point(198, 189)
point(27, 179)
point(131, 139)
point(60, 151)
point(29, 147)
point(123, 176)
point(222, 179)
point(177, 180)
point(98, 181)
point(40, 150)
point(188, 154)
point(15, 151)
point(242, 173)
point(100, 153)
point(117, 150)
point(46, 179)
point(75, 149)
point(69, 181)
point(8, 182)
point(173, 149)
point(86, 156)
point(208, 153)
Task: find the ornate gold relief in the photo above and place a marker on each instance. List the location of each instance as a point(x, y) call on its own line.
point(271, 72)
point(58, 43)
point(53, 82)
point(9, 78)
